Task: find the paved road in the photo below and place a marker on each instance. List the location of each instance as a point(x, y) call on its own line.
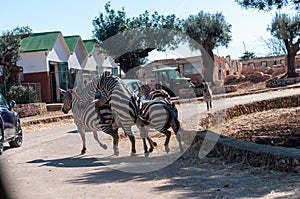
point(48, 165)
point(190, 110)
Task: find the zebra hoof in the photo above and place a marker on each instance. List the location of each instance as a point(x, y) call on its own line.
point(116, 153)
point(150, 150)
point(82, 152)
point(104, 146)
point(133, 154)
point(167, 149)
point(146, 155)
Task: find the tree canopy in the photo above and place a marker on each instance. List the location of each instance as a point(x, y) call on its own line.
point(129, 40)
point(10, 43)
point(210, 31)
point(268, 4)
point(287, 29)
point(248, 55)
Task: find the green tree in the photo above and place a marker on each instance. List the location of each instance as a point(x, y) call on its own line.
point(210, 31)
point(248, 55)
point(133, 38)
point(287, 29)
point(268, 4)
point(10, 43)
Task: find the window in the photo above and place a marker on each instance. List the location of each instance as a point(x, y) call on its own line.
point(251, 64)
point(190, 69)
point(264, 63)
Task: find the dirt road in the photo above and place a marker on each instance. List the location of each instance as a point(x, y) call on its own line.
point(48, 165)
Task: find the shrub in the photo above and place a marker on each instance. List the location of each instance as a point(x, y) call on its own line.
point(22, 94)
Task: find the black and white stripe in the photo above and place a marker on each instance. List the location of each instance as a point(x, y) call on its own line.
point(128, 109)
point(85, 117)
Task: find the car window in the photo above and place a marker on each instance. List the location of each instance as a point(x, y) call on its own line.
point(3, 101)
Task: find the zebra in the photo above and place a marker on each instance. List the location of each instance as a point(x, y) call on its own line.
point(87, 95)
point(157, 94)
point(85, 118)
point(150, 94)
point(128, 109)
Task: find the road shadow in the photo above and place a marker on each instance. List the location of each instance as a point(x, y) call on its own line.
point(74, 161)
point(191, 177)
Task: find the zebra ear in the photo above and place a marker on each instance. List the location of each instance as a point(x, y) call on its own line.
point(62, 91)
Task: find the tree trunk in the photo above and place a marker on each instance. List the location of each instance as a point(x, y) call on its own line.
point(291, 65)
point(292, 50)
point(208, 64)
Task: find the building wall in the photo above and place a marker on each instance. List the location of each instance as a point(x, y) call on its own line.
point(265, 61)
point(95, 61)
point(33, 62)
point(44, 80)
point(60, 52)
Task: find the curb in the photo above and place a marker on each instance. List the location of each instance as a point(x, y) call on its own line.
point(258, 155)
point(26, 122)
point(254, 154)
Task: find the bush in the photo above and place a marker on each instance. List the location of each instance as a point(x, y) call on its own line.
point(22, 94)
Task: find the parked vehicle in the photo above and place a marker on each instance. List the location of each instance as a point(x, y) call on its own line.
point(133, 84)
point(168, 78)
point(10, 126)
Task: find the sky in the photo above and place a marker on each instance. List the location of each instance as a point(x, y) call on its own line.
point(75, 18)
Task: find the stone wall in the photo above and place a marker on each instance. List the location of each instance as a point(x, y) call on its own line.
point(273, 157)
point(275, 82)
point(31, 109)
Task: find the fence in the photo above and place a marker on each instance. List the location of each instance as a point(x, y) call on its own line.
point(36, 87)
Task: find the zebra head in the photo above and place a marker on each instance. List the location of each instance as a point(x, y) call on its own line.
point(144, 90)
point(67, 101)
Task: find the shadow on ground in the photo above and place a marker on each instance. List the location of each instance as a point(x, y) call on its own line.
point(209, 177)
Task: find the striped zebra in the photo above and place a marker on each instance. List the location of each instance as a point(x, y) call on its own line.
point(129, 110)
point(150, 94)
point(157, 94)
point(126, 119)
point(85, 117)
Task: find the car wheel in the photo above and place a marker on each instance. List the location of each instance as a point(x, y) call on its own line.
point(18, 140)
point(1, 141)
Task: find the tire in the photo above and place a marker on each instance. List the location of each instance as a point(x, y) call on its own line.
point(1, 148)
point(1, 141)
point(18, 140)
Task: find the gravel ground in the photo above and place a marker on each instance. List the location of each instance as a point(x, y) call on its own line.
point(277, 127)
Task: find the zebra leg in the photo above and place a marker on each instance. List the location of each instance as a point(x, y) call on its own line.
point(168, 136)
point(176, 126)
point(115, 135)
point(144, 135)
point(145, 146)
point(116, 143)
point(97, 139)
point(132, 139)
point(82, 135)
point(152, 144)
point(113, 131)
point(178, 137)
point(207, 105)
